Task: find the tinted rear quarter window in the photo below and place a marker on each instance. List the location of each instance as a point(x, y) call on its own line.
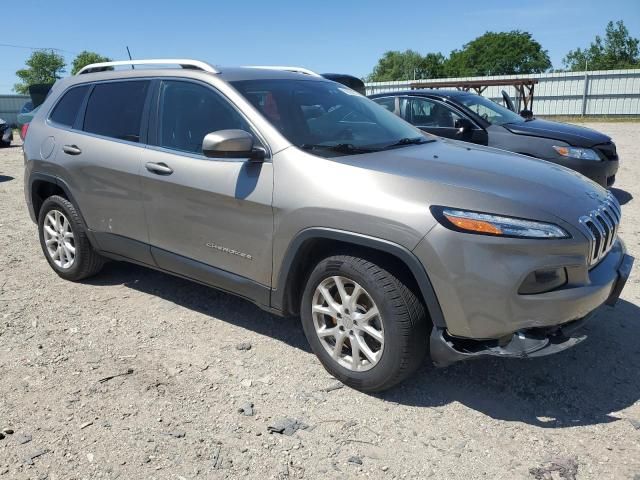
point(66, 111)
point(115, 109)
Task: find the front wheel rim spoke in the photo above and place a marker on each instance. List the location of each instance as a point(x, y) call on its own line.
point(369, 315)
point(328, 332)
point(50, 231)
point(353, 298)
point(322, 310)
point(328, 298)
point(70, 248)
point(344, 298)
point(366, 351)
point(337, 348)
point(373, 333)
point(355, 352)
point(67, 252)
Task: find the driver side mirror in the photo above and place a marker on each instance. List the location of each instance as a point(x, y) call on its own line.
point(232, 144)
point(526, 114)
point(464, 126)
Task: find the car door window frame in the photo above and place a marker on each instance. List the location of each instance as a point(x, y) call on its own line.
point(79, 113)
point(58, 101)
point(153, 140)
point(144, 119)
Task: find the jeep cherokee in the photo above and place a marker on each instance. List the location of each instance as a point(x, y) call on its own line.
point(306, 198)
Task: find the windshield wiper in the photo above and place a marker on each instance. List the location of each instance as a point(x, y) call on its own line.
point(340, 148)
point(410, 141)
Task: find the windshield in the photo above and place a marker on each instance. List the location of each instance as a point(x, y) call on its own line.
point(490, 111)
point(327, 118)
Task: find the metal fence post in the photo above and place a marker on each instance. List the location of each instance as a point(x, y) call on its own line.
point(585, 93)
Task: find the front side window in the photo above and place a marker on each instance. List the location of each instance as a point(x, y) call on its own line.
point(424, 112)
point(387, 102)
point(490, 111)
point(327, 118)
point(188, 112)
point(115, 109)
point(66, 111)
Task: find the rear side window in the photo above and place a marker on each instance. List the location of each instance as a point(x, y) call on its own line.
point(115, 109)
point(66, 111)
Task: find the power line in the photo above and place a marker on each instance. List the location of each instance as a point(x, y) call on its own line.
point(8, 45)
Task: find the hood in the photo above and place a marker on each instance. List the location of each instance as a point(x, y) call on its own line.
point(565, 132)
point(492, 175)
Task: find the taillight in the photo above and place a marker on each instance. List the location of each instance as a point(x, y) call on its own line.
point(23, 131)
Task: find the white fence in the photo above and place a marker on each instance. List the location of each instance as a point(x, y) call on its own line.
point(607, 92)
point(10, 105)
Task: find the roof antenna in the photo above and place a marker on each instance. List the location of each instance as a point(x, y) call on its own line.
point(132, 67)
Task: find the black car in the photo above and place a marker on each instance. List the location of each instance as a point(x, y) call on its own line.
point(6, 133)
point(472, 118)
point(354, 83)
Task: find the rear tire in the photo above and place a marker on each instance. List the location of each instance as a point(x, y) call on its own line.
point(389, 346)
point(64, 240)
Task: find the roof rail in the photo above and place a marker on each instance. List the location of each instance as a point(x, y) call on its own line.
point(182, 62)
point(306, 71)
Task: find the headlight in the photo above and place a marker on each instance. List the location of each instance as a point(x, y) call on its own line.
point(496, 225)
point(579, 153)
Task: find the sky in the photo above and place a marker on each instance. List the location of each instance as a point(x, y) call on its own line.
point(346, 36)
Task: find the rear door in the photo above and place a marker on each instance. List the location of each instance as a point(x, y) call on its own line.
point(101, 154)
point(214, 211)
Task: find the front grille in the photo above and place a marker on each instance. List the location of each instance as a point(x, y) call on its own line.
point(601, 228)
point(608, 150)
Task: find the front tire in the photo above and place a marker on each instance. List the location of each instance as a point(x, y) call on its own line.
point(64, 240)
point(366, 326)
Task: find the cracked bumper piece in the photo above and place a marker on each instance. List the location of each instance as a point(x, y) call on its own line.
point(446, 350)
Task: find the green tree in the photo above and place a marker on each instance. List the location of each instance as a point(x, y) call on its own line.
point(43, 66)
point(395, 65)
point(618, 50)
point(85, 58)
point(499, 53)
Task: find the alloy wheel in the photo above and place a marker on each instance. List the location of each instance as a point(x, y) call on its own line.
point(348, 323)
point(59, 239)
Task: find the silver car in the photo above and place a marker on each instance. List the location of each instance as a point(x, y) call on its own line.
point(308, 199)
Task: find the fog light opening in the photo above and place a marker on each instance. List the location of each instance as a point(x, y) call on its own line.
point(543, 281)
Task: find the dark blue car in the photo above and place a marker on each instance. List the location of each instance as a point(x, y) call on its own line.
point(472, 118)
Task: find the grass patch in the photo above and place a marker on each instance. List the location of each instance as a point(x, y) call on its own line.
point(591, 118)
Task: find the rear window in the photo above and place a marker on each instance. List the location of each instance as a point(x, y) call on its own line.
point(115, 109)
point(66, 111)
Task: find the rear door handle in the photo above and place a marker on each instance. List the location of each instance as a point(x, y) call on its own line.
point(71, 150)
point(159, 168)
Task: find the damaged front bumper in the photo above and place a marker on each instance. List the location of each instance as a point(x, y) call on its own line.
point(446, 350)
point(529, 343)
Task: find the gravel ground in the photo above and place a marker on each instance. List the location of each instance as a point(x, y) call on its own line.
point(181, 373)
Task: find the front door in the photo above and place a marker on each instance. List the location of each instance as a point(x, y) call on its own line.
point(204, 212)
point(439, 119)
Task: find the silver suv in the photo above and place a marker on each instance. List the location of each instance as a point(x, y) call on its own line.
point(308, 199)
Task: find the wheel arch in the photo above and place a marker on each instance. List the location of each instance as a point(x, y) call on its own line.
point(316, 243)
point(42, 186)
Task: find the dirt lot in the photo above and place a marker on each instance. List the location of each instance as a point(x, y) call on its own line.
point(175, 414)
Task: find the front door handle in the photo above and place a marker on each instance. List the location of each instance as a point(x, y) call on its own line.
point(159, 168)
point(71, 149)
